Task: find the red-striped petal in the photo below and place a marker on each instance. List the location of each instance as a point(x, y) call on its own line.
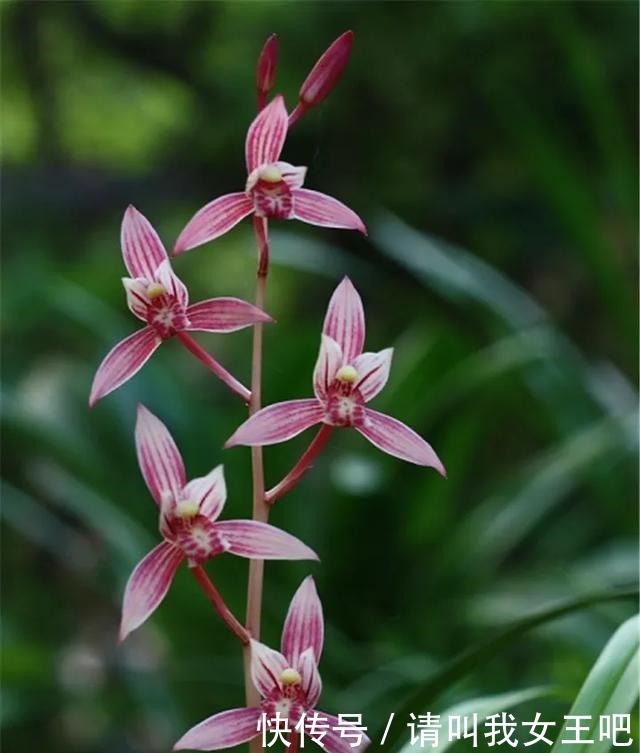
point(148, 585)
point(337, 742)
point(122, 362)
point(256, 540)
point(329, 361)
point(277, 423)
point(344, 321)
point(159, 458)
point(304, 624)
point(373, 372)
point(309, 676)
point(223, 315)
point(266, 135)
point(397, 439)
point(319, 209)
point(267, 666)
point(210, 492)
point(213, 220)
point(142, 249)
point(222, 730)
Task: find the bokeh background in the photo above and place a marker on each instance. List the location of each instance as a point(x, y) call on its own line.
point(491, 149)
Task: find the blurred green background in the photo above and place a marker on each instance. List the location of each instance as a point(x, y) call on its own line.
point(491, 149)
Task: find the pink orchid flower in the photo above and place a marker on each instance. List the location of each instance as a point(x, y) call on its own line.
point(188, 524)
point(288, 681)
point(345, 379)
point(160, 299)
point(273, 189)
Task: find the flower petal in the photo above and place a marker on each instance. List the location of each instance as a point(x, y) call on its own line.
point(309, 676)
point(159, 458)
point(172, 283)
point(122, 362)
point(266, 667)
point(210, 492)
point(277, 423)
point(293, 176)
point(213, 220)
point(304, 624)
point(266, 135)
point(329, 361)
point(319, 209)
point(256, 540)
point(136, 292)
point(395, 438)
point(222, 730)
point(224, 315)
point(335, 742)
point(345, 320)
point(148, 585)
point(373, 372)
point(142, 249)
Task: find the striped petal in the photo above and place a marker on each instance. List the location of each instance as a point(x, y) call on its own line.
point(344, 321)
point(210, 492)
point(338, 742)
point(319, 209)
point(142, 249)
point(277, 423)
point(136, 292)
point(122, 362)
point(266, 135)
point(222, 730)
point(256, 540)
point(309, 676)
point(373, 372)
point(395, 438)
point(304, 624)
point(224, 315)
point(213, 220)
point(329, 361)
point(159, 458)
point(172, 283)
point(267, 666)
point(148, 585)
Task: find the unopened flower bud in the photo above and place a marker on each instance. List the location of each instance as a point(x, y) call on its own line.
point(326, 71)
point(266, 68)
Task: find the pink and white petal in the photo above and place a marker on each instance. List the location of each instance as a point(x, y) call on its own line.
point(256, 540)
point(172, 283)
point(142, 249)
point(267, 666)
point(136, 292)
point(266, 135)
point(122, 362)
point(309, 676)
point(222, 730)
point(159, 458)
point(293, 176)
point(224, 315)
point(335, 742)
point(319, 209)
point(148, 585)
point(397, 439)
point(329, 361)
point(373, 372)
point(277, 423)
point(344, 321)
point(213, 220)
point(210, 492)
point(304, 623)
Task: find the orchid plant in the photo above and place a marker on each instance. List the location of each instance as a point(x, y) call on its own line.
point(281, 685)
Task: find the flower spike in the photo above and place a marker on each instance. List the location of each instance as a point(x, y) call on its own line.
point(189, 524)
point(289, 683)
point(344, 380)
point(273, 189)
point(160, 299)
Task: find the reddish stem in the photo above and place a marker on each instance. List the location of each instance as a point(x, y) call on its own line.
point(261, 98)
point(297, 113)
point(221, 608)
point(294, 475)
point(210, 362)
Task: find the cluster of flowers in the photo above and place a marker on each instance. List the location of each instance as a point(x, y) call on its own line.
point(345, 379)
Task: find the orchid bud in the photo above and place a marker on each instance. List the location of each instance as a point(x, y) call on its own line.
point(326, 72)
point(266, 68)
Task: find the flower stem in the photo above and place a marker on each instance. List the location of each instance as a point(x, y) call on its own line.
point(297, 113)
point(294, 475)
point(210, 362)
point(260, 507)
point(221, 608)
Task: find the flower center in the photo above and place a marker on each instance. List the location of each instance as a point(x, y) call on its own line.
point(347, 374)
point(187, 508)
point(270, 174)
point(155, 290)
point(290, 677)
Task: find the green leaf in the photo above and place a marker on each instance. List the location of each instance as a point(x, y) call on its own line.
point(610, 688)
point(426, 693)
